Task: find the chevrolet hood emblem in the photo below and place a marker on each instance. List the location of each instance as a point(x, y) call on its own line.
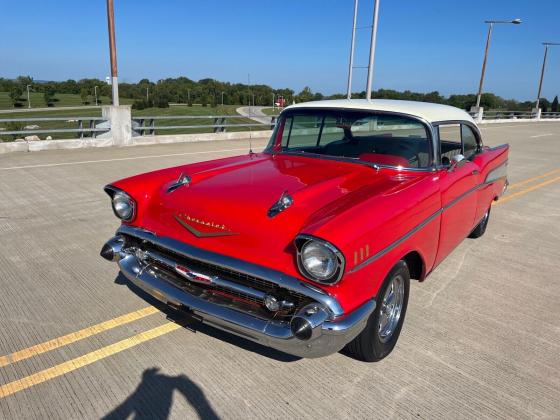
point(202, 228)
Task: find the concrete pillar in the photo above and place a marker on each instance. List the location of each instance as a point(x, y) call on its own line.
point(120, 118)
point(537, 113)
point(478, 113)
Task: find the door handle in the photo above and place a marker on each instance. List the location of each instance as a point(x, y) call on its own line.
point(475, 172)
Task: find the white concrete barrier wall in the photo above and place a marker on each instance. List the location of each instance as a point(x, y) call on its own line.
point(35, 146)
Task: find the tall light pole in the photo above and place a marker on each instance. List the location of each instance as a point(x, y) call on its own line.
point(113, 52)
point(222, 99)
point(28, 97)
point(372, 49)
point(95, 94)
point(352, 46)
point(546, 45)
point(147, 93)
point(488, 39)
point(249, 97)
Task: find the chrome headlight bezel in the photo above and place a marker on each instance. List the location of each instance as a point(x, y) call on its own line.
point(118, 194)
point(302, 241)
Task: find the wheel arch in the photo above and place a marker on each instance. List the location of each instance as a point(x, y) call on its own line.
point(416, 265)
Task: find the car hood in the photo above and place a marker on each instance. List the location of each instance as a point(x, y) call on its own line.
point(225, 206)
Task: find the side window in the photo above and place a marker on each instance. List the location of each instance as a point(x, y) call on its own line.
point(332, 131)
point(470, 146)
point(450, 141)
point(303, 131)
point(286, 131)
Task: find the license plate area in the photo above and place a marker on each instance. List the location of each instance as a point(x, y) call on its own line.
point(183, 315)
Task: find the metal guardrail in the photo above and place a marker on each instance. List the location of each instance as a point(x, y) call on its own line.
point(514, 115)
point(79, 130)
point(548, 115)
point(147, 125)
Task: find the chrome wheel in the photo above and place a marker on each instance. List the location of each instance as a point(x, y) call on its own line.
point(391, 308)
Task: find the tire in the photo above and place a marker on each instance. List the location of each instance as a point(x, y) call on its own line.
point(372, 345)
point(481, 227)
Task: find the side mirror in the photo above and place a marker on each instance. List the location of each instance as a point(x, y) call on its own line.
point(457, 161)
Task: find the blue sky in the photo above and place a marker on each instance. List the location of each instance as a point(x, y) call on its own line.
point(422, 45)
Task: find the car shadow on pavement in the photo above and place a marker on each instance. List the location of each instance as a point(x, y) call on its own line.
point(154, 396)
point(208, 330)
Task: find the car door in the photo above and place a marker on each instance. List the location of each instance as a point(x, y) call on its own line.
point(458, 186)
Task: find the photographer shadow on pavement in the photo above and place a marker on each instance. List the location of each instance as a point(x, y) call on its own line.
point(154, 396)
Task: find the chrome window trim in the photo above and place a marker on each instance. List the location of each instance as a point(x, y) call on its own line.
point(231, 263)
point(301, 240)
point(437, 145)
point(430, 132)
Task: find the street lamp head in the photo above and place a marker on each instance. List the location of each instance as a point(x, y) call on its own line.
point(546, 44)
point(514, 21)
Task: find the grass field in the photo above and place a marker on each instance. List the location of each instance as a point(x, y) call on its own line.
point(62, 99)
point(177, 110)
point(270, 111)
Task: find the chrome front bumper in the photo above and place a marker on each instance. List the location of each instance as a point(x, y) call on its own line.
point(331, 328)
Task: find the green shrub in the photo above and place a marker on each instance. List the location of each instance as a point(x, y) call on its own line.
point(161, 102)
point(15, 95)
point(12, 126)
point(140, 104)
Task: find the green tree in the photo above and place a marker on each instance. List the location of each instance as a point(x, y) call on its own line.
point(305, 95)
point(84, 95)
point(544, 104)
point(15, 95)
point(24, 81)
point(48, 95)
point(554, 105)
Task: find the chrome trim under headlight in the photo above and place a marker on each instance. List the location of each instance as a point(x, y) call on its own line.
point(334, 275)
point(124, 206)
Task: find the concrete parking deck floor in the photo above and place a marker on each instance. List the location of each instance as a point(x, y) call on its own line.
point(481, 338)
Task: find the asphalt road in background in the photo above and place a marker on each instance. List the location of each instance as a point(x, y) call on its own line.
point(481, 337)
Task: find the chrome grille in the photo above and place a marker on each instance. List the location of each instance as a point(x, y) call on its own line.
point(299, 300)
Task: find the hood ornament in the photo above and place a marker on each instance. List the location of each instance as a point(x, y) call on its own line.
point(285, 201)
point(184, 179)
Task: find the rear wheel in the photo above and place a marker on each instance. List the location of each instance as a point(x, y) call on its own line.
point(384, 325)
point(481, 227)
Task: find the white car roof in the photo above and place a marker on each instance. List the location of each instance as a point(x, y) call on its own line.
point(428, 111)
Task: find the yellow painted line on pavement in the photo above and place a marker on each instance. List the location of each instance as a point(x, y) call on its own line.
point(529, 180)
point(75, 336)
point(86, 359)
point(508, 197)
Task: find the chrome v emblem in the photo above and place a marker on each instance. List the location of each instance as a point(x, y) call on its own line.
point(187, 222)
point(183, 180)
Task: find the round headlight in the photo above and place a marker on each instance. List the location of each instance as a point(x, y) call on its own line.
point(320, 261)
point(123, 206)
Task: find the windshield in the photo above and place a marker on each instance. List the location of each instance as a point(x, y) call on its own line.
point(382, 139)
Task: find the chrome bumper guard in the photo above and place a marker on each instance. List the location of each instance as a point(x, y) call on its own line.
point(322, 327)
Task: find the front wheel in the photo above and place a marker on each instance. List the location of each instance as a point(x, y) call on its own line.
point(384, 325)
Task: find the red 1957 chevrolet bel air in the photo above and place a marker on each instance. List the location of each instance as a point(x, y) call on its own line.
point(309, 246)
